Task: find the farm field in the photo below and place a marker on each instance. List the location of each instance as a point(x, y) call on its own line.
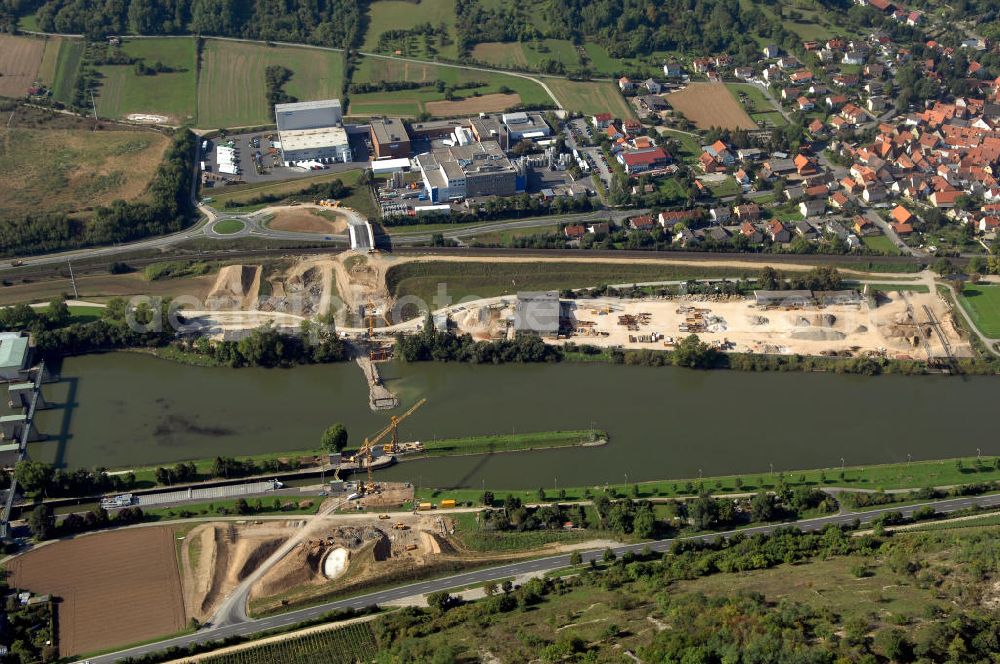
point(983, 304)
point(231, 91)
point(67, 69)
point(20, 60)
point(115, 588)
point(710, 105)
point(172, 94)
point(590, 98)
point(649, 65)
point(527, 54)
point(50, 61)
point(385, 15)
point(68, 170)
point(413, 102)
point(343, 645)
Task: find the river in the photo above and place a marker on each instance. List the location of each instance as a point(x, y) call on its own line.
point(125, 409)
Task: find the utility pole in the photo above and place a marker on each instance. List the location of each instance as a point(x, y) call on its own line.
point(94, 104)
point(76, 293)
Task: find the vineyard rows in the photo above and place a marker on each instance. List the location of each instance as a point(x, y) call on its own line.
point(346, 645)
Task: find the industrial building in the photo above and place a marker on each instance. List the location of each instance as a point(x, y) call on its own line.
point(312, 131)
point(15, 356)
point(525, 126)
point(468, 171)
point(537, 313)
point(389, 138)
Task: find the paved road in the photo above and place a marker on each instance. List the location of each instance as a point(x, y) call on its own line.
point(536, 566)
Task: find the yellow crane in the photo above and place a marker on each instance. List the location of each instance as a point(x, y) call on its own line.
point(364, 453)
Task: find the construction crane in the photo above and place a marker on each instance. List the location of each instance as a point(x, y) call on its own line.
point(370, 317)
point(364, 453)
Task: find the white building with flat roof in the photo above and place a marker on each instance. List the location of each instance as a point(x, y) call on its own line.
point(312, 131)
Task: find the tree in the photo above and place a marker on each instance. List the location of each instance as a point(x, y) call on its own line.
point(35, 477)
point(575, 558)
point(704, 511)
point(762, 507)
point(440, 600)
point(335, 438)
point(644, 524)
point(491, 589)
point(487, 498)
point(943, 266)
point(41, 522)
point(894, 645)
point(693, 353)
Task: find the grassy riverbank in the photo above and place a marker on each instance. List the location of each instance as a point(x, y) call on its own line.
point(916, 475)
point(511, 443)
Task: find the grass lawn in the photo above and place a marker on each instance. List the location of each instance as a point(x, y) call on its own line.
point(231, 91)
point(889, 288)
point(643, 66)
point(242, 193)
point(916, 475)
point(757, 106)
point(413, 102)
point(172, 94)
point(983, 304)
point(500, 237)
point(527, 54)
point(228, 226)
point(474, 538)
point(690, 148)
point(72, 170)
point(28, 22)
point(490, 280)
point(510, 442)
point(85, 314)
point(67, 70)
point(590, 97)
point(881, 243)
point(727, 187)
point(385, 15)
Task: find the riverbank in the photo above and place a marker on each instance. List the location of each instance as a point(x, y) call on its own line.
point(872, 478)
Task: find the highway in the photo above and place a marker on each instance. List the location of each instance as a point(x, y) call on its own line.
point(534, 566)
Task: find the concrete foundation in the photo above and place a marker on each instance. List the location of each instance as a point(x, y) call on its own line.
point(12, 428)
point(19, 396)
point(379, 397)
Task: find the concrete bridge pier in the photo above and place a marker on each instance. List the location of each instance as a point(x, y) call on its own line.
point(20, 394)
point(12, 428)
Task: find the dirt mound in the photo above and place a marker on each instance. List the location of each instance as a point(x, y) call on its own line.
point(757, 320)
point(236, 287)
point(802, 321)
point(818, 334)
point(256, 556)
point(824, 320)
point(305, 220)
point(304, 290)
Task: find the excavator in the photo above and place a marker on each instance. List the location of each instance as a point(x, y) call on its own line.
point(364, 453)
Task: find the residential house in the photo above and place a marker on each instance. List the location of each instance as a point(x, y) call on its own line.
point(816, 191)
point(778, 232)
point(853, 114)
point(632, 127)
point(685, 238)
point(751, 232)
point(771, 51)
point(862, 226)
point(626, 84)
point(602, 120)
point(574, 231)
point(795, 192)
point(709, 164)
point(806, 229)
point(673, 70)
point(804, 165)
point(874, 193)
point(742, 178)
point(749, 154)
point(945, 199)
point(835, 102)
point(789, 62)
point(745, 73)
point(805, 104)
point(816, 127)
point(839, 200)
point(671, 218)
point(720, 215)
point(801, 76)
point(702, 65)
point(773, 167)
point(748, 212)
point(653, 86)
point(812, 207)
point(901, 215)
point(641, 223)
point(601, 228)
point(853, 58)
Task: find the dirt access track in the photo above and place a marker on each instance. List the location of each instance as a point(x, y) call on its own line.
point(115, 588)
point(710, 105)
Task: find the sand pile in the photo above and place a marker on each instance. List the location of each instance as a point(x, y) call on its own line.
point(235, 287)
point(757, 320)
point(818, 334)
point(335, 562)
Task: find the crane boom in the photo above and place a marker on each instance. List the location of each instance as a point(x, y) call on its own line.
point(365, 451)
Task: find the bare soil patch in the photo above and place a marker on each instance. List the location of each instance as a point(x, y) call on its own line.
point(236, 287)
point(304, 220)
point(20, 59)
point(710, 105)
point(483, 104)
point(115, 588)
point(103, 287)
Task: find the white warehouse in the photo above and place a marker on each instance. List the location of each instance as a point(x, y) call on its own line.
point(312, 131)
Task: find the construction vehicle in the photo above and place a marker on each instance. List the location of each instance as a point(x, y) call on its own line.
point(400, 526)
point(364, 453)
point(383, 517)
point(448, 502)
point(411, 547)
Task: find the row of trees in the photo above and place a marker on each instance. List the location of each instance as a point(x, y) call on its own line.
point(323, 22)
point(439, 346)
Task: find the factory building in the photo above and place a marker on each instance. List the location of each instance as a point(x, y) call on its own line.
point(525, 126)
point(389, 138)
point(312, 131)
point(469, 171)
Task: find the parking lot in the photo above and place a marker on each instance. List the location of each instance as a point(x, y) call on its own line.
point(258, 161)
